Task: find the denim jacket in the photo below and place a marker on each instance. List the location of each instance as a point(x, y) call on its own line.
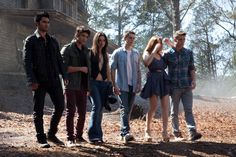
point(119, 63)
point(70, 57)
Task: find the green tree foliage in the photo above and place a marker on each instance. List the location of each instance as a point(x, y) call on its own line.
point(113, 15)
point(213, 50)
point(203, 41)
point(213, 46)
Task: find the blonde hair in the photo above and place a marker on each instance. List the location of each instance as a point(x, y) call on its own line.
point(179, 33)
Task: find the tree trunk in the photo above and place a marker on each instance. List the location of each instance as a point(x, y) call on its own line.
point(119, 24)
point(175, 15)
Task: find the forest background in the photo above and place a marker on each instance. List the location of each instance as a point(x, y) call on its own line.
point(210, 27)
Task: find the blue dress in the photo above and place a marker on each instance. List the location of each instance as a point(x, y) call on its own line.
point(158, 82)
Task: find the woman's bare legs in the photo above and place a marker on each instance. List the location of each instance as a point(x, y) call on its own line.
point(149, 115)
point(165, 115)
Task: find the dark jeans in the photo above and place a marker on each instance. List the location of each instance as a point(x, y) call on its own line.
point(75, 99)
point(126, 107)
point(56, 94)
point(98, 94)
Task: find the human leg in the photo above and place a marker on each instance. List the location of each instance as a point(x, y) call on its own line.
point(81, 102)
point(175, 96)
point(149, 115)
point(57, 98)
point(165, 115)
point(187, 99)
point(94, 129)
point(38, 100)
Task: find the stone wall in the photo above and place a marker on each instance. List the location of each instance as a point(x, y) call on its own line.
point(7, 45)
point(7, 4)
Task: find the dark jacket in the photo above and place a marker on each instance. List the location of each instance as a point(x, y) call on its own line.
point(34, 55)
point(71, 57)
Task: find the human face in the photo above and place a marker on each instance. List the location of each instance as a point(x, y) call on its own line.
point(130, 40)
point(180, 40)
point(82, 38)
point(43, 24)
point(101, 42)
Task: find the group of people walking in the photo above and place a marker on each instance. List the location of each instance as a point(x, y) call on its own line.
point(87, 72)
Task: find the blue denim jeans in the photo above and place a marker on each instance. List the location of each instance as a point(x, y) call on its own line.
point(186, 95)
point(98, 94)
point(126, 106)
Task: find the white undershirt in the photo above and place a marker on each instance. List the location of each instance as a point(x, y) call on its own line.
point(129, 68)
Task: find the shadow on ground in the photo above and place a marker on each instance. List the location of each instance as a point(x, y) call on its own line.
point(201, 148)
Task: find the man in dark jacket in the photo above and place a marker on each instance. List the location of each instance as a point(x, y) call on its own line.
point(43, 64)
point(76, 58)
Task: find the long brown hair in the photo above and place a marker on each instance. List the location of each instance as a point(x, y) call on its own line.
point(152, 43)
point(95, 45)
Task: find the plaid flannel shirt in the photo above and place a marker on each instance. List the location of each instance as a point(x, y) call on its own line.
point(180, 64)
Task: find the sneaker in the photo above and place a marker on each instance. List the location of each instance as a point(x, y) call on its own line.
point(80, 140)
point(42, 141)
point(70, 143)
point(128, 137)
point(43, 144)
point(194, 136)
point(147, 137)
point(55, 140)
point(94, 141)
point(165, 137)
point(178, 137)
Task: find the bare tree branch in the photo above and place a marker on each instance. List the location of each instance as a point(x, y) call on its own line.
point(187, 10)
point(231, 35)
point(165, 11)
point(128, 3)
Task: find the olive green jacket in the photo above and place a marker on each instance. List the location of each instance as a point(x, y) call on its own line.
point(70, 57)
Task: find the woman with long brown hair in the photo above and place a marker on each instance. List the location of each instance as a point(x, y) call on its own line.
point(99, 84)
point(157, 85)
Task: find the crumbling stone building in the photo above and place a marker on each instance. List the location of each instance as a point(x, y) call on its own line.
point(16, 23)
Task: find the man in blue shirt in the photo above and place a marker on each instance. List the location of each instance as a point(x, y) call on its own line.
point(181, 70)
point(126, 62)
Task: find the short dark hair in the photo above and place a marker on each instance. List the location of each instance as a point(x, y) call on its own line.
point(127, 33)
point(82, 29)
point(40, 15)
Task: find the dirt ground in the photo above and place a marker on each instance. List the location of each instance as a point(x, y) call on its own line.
point(215, 118)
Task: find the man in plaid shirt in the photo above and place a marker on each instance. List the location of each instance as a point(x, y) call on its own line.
point(181, 71)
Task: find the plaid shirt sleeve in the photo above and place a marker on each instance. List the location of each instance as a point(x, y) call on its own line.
point(191, 63)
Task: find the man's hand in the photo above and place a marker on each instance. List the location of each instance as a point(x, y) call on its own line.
point(83, 69)
point(138, 89)
point(193, 85)
point(66, 82)
point(116, 90)
point(34, 86)
point(88, 93)
point(168, 42)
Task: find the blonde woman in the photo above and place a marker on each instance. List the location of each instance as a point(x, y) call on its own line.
point(157, 85)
